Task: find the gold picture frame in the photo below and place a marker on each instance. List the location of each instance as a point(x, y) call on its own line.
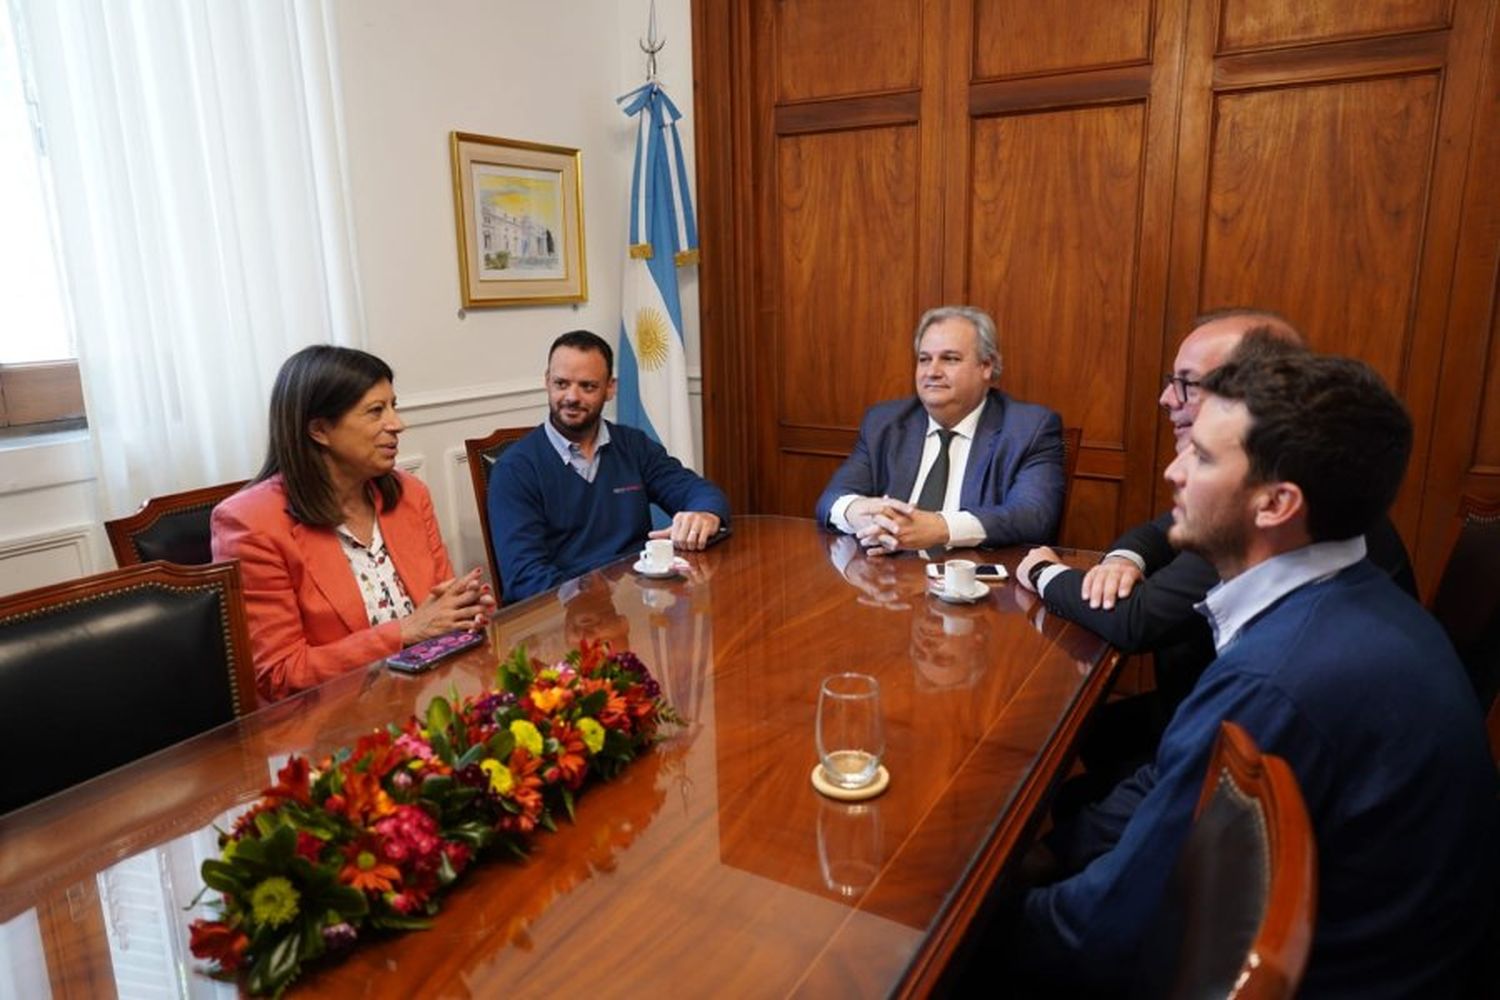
point(518, 210)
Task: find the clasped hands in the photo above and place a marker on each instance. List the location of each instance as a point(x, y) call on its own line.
point(884, 525)
point(464, 602)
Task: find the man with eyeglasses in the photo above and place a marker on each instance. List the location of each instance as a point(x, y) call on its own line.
point(1141, 595)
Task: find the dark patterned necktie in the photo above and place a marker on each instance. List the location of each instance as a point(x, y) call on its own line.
point(935, 486)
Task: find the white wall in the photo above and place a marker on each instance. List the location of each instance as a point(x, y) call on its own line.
point(536, 70)
point(411, 72)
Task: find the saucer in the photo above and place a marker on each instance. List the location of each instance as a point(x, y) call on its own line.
point(679, 565)
point(980, 591)
point(875, 787)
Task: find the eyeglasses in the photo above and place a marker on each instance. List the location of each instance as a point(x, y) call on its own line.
point(1183, 387)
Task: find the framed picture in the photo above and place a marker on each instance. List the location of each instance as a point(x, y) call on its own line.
point(519, 208)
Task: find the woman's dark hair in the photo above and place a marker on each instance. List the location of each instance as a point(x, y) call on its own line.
point(319, 382)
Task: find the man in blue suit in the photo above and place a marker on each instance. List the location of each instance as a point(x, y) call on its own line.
point(1327, 664)
point(959, 464)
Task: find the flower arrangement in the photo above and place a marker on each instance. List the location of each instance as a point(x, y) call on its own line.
point(368, 838)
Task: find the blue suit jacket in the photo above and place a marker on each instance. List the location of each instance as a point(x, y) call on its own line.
point(1013, 482)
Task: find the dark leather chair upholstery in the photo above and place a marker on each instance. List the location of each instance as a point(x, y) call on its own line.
point(100, 671)
point(483, 453)
point(1467, 600)
point(173, 528)
point(1241, 903)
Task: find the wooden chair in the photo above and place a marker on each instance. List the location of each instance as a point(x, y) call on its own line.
point(173, 528)
point(100, 671)
point(1245, 886)
point(1467, 599)
point(1072, 444)
point(483, 453)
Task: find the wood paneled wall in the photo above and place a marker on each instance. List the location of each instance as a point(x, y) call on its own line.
point(1094, 173)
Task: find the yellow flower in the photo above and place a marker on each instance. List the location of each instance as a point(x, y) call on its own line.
point(592, 733)
point(501, 780)
point(527, 736)
point(547, 699)
point(274, 901)
point(548, 674)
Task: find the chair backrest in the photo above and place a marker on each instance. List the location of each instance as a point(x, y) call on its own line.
point(1072, 443)
point(100, 671)
point(483, 453)
point(173, 528)
point(1245, 887)
point(1467, 599)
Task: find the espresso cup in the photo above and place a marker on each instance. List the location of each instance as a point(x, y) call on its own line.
point(658, 555)
point(958, 577)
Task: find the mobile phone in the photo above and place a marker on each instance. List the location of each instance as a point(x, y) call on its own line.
point(423, 655)
point(982, 571)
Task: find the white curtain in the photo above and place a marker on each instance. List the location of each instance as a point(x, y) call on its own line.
point(197, 155)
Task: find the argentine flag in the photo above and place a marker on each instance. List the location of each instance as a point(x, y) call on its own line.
point(652, 376)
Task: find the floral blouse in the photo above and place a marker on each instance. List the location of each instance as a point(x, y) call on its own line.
point(385, 597)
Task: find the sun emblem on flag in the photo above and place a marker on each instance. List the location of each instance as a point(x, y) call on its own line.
point(651, 333)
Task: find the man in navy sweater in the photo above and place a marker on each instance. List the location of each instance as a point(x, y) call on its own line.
point(1328, 664)
point(576, 493)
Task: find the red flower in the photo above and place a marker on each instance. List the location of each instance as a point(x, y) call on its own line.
point(364, 869)
point(308, 846)
point(362, 800)
point(216, 941)
point(409, 839)
point(572, 756)
point(592, 654)
point(526, 793)
point(292, 782)
point(384, 757)
point(408, 902)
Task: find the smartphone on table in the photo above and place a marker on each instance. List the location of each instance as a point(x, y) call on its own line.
point(984, 572)
point(420, 656)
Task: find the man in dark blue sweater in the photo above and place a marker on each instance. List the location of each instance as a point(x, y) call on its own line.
point(576, 493)
point(1326, 663)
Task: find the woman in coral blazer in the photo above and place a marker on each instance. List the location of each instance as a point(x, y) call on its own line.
point(339, 551)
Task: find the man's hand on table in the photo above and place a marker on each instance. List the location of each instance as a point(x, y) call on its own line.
point(1110, 581)
point(690, 530)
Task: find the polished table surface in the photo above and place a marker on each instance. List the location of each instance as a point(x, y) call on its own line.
point(709, 866)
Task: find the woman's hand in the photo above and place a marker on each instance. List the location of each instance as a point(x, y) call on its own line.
point(465, 602)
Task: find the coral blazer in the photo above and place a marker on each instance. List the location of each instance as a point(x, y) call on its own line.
point(307, 617)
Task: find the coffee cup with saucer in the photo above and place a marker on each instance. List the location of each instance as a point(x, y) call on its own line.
point(657, 559)
point(958, 585)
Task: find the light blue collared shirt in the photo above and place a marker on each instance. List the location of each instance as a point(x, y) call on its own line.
point(572, 454)
point(1230, 605)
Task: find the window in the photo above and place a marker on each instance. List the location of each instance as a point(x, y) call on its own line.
point(38, 370)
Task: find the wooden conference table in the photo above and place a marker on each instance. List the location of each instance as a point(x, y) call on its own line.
point(710, 866)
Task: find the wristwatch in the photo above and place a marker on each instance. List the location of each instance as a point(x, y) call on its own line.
point(1035, 573)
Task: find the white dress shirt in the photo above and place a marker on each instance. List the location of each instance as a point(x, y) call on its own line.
point(964, 528)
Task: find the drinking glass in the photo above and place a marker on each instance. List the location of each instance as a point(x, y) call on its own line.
point(851, 735)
